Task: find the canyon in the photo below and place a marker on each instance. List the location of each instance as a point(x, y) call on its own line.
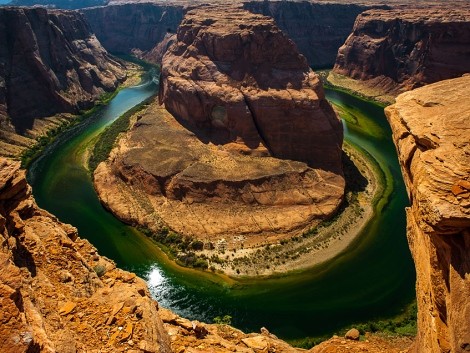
point(431, 130)
point(392, 51)
point(59, 294)
point(51, 66)
point(249, 157)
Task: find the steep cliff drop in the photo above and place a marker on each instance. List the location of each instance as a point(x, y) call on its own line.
point(431, 131)
point(254, 154)
point(50, 63)
point(392, 51)
point(56, 293)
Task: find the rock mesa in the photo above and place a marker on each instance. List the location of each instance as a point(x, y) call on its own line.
point(253, 149)
point(431, 131)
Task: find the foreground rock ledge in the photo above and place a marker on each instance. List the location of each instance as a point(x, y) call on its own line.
point(431, 129)
point(57, 294)
point(252, 153)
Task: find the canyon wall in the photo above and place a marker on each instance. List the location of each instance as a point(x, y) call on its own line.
point(431, 131)
point(50, 63)
point(317, 29)
point(400, 49)
point(127, 27)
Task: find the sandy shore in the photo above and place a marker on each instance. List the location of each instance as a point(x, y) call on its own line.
point(321, 245)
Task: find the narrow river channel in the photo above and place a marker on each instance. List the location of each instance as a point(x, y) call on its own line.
point(373, 279)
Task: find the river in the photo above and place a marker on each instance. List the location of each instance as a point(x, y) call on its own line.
point(373, 279)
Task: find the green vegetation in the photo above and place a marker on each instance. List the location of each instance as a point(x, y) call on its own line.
point(100, 270)
point(107, 139)
point(178, 248)
point(43, 141)
point(401, 325)
point(223, 320)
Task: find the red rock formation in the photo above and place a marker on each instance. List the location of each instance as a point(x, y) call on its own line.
point(431, 131)
point(240, 78)
point(318, 29)
point(49, 63)
point(255, 154)
point(407, 47)
point(56, 293)
point(125, 27)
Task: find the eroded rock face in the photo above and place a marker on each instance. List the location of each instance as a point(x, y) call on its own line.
point(240, 78)
point(125, 27)
point(50, 63)
point(57, 294)
point(318, 29)
point(405, 48)
point(431, 131)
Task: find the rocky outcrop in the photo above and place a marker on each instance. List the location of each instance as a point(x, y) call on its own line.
point(254, 155)
point(57, 294)
point(318, 29)
point(50, 63)
point(397, 50)
point(127, 27)
point(431, 131)
point(237, 76)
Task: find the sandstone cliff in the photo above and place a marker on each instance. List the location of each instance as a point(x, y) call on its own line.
point(50, 63)
point(126, 27)
point(239, 77)
point(57, 294)
point(431, 131)
point(400, 49)
point(318, 29)
point(254, 155)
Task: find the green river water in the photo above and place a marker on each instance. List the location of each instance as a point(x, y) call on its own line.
point(373, 279)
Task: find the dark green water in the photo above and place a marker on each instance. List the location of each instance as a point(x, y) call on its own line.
point(373, 279)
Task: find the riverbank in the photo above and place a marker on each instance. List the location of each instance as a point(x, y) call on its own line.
point(311, 248)
point(306, 248)
point(379, 89)
point(53, 127)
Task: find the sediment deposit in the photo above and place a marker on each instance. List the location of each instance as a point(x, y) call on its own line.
point(432, 133)
point(50, 63)
point(397, 50)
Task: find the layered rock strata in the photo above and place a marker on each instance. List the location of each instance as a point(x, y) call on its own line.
point(401, 49)
point(238, 77)
point(318, 29)
point(432, 133)
point(254, 155)
point(50, 63)
point(125, 28)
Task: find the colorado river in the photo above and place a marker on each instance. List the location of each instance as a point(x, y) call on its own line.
point(373, 279)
